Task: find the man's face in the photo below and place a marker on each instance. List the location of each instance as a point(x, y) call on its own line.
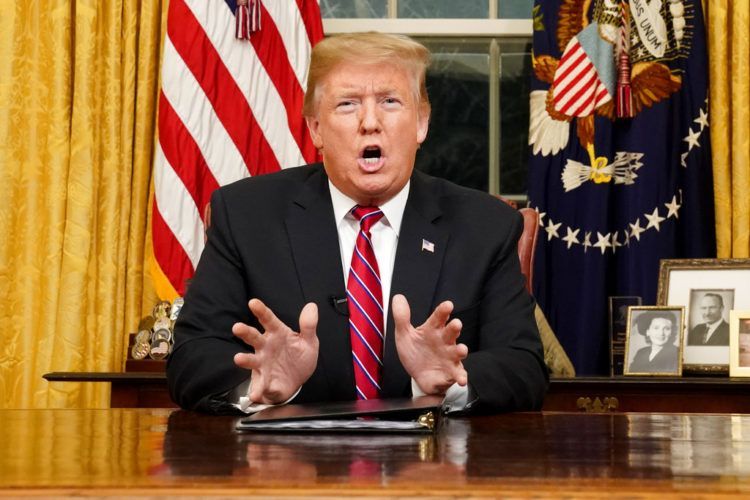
point(710, 309)
point(368, 125)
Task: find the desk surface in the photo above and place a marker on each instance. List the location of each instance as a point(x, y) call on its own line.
point(164, 452)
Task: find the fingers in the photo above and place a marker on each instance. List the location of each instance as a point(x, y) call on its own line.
point(401, 313)
point(452, 330)
point(249, 335)
point(246, 360)
point(460, 375)
point(265, 315)
point(462, 351)
point(439, 316)
point(308, 320)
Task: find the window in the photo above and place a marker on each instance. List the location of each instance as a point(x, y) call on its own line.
point(478, 82)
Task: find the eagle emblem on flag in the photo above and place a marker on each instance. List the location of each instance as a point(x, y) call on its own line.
point(612, 66)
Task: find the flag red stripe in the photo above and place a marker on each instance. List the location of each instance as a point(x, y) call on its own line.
point(310, 12)
point(272, 53)
point(602, 94)
point(168, 252)
point(228, 102)
point(580, 57)
point(563, 91)
point(586, 87)
point(184, 155)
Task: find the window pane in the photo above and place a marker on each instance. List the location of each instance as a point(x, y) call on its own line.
point(450, 9)
point(458, 84)
point(353, 8)
point(514, 9)
point(515, 77)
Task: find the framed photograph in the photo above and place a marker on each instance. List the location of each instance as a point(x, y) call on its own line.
point(708, 289)
point(653, 344)
point(618, 328)
point(739, 343)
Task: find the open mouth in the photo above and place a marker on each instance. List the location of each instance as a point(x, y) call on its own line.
point(371, 155)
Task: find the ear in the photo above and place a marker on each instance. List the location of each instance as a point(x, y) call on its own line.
point(423, 123)
point(313, 125)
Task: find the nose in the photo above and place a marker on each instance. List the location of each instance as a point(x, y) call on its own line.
point(369, 120)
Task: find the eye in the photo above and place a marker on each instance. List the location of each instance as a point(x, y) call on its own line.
point(391, 102)
point(345, 105)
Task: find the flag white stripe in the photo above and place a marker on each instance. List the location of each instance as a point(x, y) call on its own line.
point(575, 77)
point(177, 207)
point(288, 20)
point(571, 93)
point(197, 114)
point(574, 55)
point(251, 78)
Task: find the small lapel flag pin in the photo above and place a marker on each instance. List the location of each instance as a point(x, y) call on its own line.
point(428, 246)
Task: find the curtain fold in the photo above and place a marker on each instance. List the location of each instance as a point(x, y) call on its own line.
point(78, 87)
point(729, 73)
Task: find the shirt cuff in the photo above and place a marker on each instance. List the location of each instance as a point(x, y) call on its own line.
point(457, 397)
point(240, 398)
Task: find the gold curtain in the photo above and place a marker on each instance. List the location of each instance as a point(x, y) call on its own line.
point(728, 27)
point(78, 87)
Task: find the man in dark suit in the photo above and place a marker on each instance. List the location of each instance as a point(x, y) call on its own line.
point(445, 255)
point(714, 330)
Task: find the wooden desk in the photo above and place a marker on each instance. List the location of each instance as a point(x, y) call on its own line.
point(548, 455)
point(662, 394)
point(129, 389)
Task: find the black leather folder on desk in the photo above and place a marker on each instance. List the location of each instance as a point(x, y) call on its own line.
point(375, 415)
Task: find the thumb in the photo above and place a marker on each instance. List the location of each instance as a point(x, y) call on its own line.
point(308, 320)
point(401, 312)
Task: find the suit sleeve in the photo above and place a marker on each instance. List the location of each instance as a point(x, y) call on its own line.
point(201, 371)
point(506, 369)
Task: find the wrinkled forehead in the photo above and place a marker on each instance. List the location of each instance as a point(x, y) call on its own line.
point(376, 77)
point(369, 71)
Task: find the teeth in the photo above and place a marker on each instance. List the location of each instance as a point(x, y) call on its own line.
point(371, 161)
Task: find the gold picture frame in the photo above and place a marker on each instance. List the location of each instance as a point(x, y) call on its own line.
point(703, 286)
point(648, 352)
point(739, 343)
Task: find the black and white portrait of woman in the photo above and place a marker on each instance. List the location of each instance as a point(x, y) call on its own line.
point(653, 341)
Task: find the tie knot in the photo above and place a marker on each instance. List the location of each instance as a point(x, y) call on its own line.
point(367, 216)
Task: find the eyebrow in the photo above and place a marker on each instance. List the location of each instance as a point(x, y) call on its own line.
point(352, 91)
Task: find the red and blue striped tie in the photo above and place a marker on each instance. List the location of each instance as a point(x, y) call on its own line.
point(365, 296)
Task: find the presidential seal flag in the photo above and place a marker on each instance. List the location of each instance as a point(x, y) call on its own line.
point(234, 74)
point(620, 169)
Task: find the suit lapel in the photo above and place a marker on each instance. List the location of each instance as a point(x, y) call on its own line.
point(315, 247)
point(415, 273)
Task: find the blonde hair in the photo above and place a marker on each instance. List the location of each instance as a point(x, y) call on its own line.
point(367, 48)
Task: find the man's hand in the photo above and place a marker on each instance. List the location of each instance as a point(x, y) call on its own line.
point(429, 352)
point(283, 359)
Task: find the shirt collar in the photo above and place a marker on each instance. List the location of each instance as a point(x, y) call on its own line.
point(712, 326)
point(393, 209)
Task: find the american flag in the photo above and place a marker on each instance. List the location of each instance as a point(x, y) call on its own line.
point(228, 108)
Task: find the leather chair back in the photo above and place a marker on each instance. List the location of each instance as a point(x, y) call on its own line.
point(527, 242)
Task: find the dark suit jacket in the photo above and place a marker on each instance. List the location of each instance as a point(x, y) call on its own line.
point(274, 237)
point(665, 361)
point(719, 337)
